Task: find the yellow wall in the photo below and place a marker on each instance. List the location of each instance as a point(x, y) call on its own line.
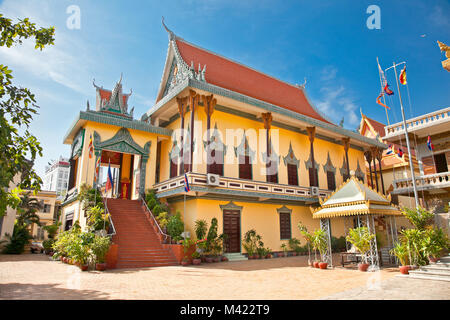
point(300, 145)
point(263, 218)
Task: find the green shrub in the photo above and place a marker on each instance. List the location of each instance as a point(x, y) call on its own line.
point(48, 244)
point(175, 226)
point(100, 247)
point(419, 218)
point(97, 220)
point(20, 237)
point(294, 244)
point(201, 226)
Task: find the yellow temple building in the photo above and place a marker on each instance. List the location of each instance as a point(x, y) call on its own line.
point(256, 153)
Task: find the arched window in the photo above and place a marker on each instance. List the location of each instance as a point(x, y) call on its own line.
point(343, 170)
point(216, 154)
point(313, 174)
point(272, 164)
point(173, 158)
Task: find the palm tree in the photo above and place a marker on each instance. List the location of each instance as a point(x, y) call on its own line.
point(27, 210)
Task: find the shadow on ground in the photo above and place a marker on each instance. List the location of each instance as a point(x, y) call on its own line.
point(26, 291)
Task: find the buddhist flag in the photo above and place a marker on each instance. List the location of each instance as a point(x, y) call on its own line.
point(403, 76)
point(109, 181)
point(430, 144)
point(388, 91)
point(97, 168)
point(91, 148)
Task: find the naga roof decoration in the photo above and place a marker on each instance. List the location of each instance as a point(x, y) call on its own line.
point(274, 157)
point(290, 158)
point(114, 101)
point(243, 149)
point(328, 166)
point(225, 73)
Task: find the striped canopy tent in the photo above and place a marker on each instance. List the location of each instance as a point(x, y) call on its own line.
point(357, 201)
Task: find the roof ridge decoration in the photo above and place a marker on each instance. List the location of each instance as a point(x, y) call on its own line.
point(179, 70)
point(290, 158)
point(117, 101)
point(243, 149)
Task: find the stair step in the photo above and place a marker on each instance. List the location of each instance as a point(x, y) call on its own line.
point(429, 277)
point(430, 273)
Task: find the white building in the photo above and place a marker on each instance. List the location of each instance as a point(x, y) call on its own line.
point(57, 176)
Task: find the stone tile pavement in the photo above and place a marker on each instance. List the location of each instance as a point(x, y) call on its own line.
point(38, 277)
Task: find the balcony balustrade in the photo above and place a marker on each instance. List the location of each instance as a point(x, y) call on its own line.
point(423, 183)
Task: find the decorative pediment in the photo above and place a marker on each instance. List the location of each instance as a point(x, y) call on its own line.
point(274, 157)
point(230, 206)
point(216, 142)
point(343, 169)
point(77, 145)
point(308, 163)
point(243, 149)
point(121, 142)
point(290, 158)
point(284, 209)
point(328, 166)
point(359, 173)
point(113, 101)
point(175, 152)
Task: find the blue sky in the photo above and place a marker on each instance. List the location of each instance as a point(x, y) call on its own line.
point(326, 42)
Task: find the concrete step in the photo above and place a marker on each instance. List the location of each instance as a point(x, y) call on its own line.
point(428, 277)
point(235, 257)
point(433, 269)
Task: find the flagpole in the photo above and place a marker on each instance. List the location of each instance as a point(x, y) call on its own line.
point(407, 137)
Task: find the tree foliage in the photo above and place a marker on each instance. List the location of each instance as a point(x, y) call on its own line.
point(18, 147)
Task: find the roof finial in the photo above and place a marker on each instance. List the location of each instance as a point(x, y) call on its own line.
point(171, 34)
point(121, 75)
point(87, 106)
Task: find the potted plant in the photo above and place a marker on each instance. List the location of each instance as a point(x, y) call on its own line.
point(309, 240)
point(284, 248)
point(360, 238)
point(196, 258)
point(294, 244)
point(400, 250)
point(224, 259)
point(320, 242)
point(185, 261)
point(100, 247)
point(433, 242)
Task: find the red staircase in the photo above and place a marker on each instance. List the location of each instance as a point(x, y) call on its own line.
point(139, 244)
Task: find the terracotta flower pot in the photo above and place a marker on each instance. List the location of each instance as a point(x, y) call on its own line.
point(255, 256)
point(294, 254)
point(316, 264)
point(184, 263)
point(84, 267)
point(216, 259)
point(363, 266)
point(224, 259)
point(100, 266)
point(433, 259)
point(196, 261)
point(404, 269)
point(209, 259)
point(323, 265)
point(203, 259)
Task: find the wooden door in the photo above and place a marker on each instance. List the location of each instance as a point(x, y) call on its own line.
point(232, 228)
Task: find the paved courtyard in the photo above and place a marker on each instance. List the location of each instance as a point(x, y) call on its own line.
point(38, 277)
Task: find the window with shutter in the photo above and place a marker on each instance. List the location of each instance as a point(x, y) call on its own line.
point(292, 174)
point(173, 167)
point(272, 177)
point(440, 162)
point(245, 167)
point(285, 225)
point(331, 180)
point(313, 178)
point(217, 166)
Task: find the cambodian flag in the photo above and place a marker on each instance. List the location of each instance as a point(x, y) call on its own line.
point(390, 150)
point(400, 152)
point(186, 184)
point(430, 144)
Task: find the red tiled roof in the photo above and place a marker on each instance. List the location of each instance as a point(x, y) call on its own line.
point(236, 77)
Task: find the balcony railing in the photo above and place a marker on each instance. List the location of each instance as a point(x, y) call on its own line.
point(426, 182)
point(198, 179)
point(423, 121)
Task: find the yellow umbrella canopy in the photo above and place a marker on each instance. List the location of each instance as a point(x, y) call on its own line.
point(355, 198)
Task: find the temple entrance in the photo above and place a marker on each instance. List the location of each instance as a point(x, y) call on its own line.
point(232, 228)
point(123, 166)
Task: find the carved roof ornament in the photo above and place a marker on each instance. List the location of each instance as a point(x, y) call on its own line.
point(243, 149)
point(290, 158)
point(180, 70)
point(446, 49)
point(267, 119)
point(328, 166)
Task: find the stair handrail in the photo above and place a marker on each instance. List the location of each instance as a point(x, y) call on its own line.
point(155, 221)
point(111, 223)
